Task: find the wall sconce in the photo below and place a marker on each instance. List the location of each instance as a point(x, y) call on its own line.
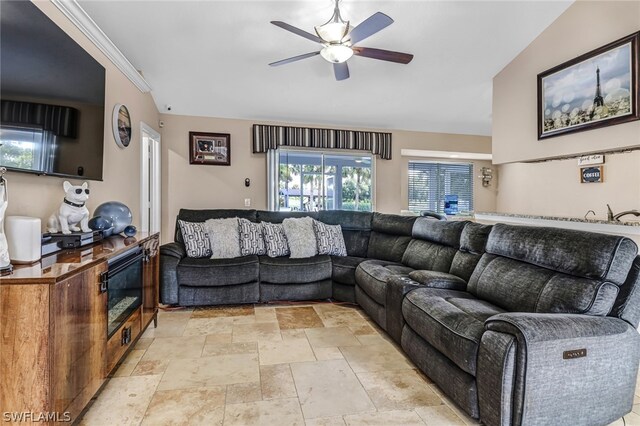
point(487, 176)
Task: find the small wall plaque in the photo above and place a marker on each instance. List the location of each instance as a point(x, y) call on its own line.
point(589, 160)
point(592, 174)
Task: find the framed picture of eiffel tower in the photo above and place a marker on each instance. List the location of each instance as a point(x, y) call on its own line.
point(597, 89)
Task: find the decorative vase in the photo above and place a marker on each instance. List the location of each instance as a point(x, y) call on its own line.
point(117, 212)
point(130, 231)
point(99, 223)
point(5, 263)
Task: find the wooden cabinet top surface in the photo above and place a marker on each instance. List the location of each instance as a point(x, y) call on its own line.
point(59, 266)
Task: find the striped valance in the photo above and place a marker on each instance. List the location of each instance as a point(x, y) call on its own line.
point(62, 121)
point(272, 137)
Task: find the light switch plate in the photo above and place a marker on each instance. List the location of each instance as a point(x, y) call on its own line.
point(247, 202)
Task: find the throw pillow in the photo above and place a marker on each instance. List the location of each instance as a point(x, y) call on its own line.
point(300, 236)
point(275, 239)
point(196, 240)
point(224, 236)
point(329, 239)
point(251, 240)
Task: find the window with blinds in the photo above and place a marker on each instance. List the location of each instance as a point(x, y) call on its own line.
point(430, 184)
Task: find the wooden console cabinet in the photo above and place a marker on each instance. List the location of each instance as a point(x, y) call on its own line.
point(54, 351)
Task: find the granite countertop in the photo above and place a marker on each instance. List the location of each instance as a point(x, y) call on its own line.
point(560, 218)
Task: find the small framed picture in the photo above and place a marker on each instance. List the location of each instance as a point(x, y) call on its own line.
point(592, 174)
point(212, 149)
point(597, 89)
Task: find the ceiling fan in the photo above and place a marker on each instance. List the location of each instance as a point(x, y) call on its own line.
point(339, 42)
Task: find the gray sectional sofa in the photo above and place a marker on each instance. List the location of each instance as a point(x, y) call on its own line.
point(518, 325)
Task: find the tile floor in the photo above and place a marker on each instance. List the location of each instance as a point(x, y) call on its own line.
point(301, 364)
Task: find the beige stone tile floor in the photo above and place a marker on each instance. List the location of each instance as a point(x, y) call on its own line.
point(288, 364)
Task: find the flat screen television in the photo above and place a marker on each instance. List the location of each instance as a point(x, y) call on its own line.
point(52, 92)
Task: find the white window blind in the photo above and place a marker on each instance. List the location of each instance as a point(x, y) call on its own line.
point(429, 183)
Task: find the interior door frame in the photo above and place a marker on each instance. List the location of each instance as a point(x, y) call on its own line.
point(150, 192)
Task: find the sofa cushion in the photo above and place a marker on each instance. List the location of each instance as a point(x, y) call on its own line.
point(392, 224)
point(251, 238)
point(284, 270)
point(372, 275)
point(275, 240)
point(443, 232)
point(552, 270)
point(387, 247)
point(428, 255)
point(217, 272)
point(356, 228)
point(329, 239)
point(473, 242)
point(278, 217)
point(195, 238)
point(190, 215)
point(474, 236)
point(522, 287)
point(581, 254)
point(301, 236)
point(450, 321)
point(344, 269)
point(224, 235)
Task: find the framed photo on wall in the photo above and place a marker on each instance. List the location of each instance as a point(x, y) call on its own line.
point(213, 149)
point(597, 89)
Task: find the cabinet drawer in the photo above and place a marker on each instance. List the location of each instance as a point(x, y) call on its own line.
point(122, 339)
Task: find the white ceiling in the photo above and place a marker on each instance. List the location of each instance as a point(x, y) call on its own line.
point(209, 58)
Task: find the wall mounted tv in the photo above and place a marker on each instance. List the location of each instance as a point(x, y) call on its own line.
point(52, 97)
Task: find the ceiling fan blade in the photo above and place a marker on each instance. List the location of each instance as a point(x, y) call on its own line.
point(297, 31)
point(294, 58)
point(383, 55)
point(341, 71)
point(369, 27)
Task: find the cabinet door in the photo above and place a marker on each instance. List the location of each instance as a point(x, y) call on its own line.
point(79, 337)
point(150, 280)
point(24, 348)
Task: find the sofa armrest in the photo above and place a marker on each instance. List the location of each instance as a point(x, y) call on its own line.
point(397, 289)
point(435, 279)
point(556, 368)
point(173, 249)
point(170, 255)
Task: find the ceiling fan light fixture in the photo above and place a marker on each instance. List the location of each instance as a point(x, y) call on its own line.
point(336, 53)
point(332, 32)
point(335, 29)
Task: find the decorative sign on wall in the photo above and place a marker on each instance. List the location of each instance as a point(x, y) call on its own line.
point(590, 160)
point(592, 174)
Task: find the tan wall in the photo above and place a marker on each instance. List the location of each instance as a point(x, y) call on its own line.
point(187, 186)
point(553, 188)
point(39, 196)
point(584, 26)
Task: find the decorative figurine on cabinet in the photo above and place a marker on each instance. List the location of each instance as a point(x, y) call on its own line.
point(72, 212)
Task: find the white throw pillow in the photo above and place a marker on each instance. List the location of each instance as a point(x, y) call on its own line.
point(300, 236)
point(224, 236)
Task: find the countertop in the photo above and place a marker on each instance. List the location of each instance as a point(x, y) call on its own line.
point(60, 265)
point(561, 218)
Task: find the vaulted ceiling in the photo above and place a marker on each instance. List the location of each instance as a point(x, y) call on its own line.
point(209, 58)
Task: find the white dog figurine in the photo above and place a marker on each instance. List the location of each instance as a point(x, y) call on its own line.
point(72, 211)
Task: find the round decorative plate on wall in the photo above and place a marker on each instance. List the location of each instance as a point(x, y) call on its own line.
point(121, 125)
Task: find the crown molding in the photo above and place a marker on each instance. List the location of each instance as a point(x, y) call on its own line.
point(76, 14)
